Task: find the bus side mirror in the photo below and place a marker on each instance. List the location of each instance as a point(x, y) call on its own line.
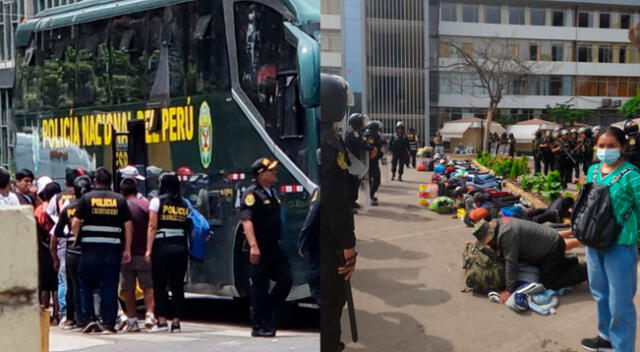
point(308, 56)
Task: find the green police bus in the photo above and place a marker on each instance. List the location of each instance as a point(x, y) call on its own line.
point(202, 87)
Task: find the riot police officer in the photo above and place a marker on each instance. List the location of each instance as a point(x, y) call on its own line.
point(412, 137)
point(548, 158)
point(537, 152)
point(101, 219)
point(260, 213)
point(576, 142)
point(372, 134)
point(588, 144)
point(358, 146)
point(564, 161)
point(400, 149)
point(633, 137)
point(337, 237)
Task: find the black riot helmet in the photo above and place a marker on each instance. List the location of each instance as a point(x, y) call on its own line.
point(81, 185)
point(374, 126)
point(356, 120)
point(588, 132)
point(630, 127)
point(538, 134)
point(333, 92)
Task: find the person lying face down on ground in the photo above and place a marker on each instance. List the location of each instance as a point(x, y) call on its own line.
point(555, 213)
point(523, 241)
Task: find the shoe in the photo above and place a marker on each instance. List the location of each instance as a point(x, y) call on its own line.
point(374, 203)
point(262, 332)
point(150, 320)
point(93, 326)
point(400, 178)
point(132, 326)
point(175, 327)
point(393, 178)
point(67, 325)
point(597, 344)
point(374, 198)
point(356, 205)
point(110, 330)
point(354, 211)
point(159, 327)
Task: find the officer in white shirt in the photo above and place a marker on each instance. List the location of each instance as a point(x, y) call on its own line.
point(7, 198)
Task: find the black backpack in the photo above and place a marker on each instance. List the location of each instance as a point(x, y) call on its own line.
point(592, 220)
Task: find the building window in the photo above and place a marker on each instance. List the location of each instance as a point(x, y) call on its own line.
point(331, 41)
point(625, 21)
point(584, 53)
point(513, 50)
point(557, 52)
point(533, 51)
point(330, 7)
point(516, 15)
point(585, 19)
point(555, 85)
point(623, 54)
point(605, 53)
point(467, 49)
point(449, 12)
point(445, 49)
point(492, 14)
point(538, 17)
point(605, 20)
point(470, 13)
point(558, 18)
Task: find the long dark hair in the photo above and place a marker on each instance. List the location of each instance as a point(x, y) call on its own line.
point(617, 133)
point(170, 186)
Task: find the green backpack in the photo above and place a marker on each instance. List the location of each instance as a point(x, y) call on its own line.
point(443, 205)
point(483, 269)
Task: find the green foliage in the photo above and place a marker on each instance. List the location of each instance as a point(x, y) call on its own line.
point(631, 108)
point(547, 186)
point(566, 115)
point(553, 187)
point(504, 166)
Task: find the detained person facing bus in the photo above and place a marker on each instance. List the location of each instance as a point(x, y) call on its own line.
point(613, 271)
point(260, 213)
point(167, 251)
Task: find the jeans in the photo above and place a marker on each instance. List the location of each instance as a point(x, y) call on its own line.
point(62, 287)
point(99, 268)
point(613, 280)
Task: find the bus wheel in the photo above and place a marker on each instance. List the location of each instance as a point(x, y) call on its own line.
point(241, 263)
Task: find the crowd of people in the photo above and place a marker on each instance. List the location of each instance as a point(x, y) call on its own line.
point(93, 241)
point(502, 144)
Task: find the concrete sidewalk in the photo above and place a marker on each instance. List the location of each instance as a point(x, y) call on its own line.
point(408, 285)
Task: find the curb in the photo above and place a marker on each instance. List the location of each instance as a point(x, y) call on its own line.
point(537, 203)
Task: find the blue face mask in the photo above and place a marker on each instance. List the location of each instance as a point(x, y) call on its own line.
point(608, 156)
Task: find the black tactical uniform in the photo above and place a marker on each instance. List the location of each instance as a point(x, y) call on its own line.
point(309, 245)
point(537, 152)
point(358, 146)
point(63, 232)
point(548, 158)
point(587, 150)
point(170, 256)
point(632, 154)
point(102, 239)
point(336, 218)
point(400, 148)
point(374, 139)
point(413, 147)
point(262, 207)
point(564, 164)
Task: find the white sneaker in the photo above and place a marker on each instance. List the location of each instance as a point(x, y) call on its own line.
point(150, 320)
point(132, 326)
point(160, 327)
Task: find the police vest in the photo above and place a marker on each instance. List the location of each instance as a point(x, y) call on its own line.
point(173, 220)
point(104, 218)
point(412, 141)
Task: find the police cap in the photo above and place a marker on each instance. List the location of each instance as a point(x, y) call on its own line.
point(263, 164)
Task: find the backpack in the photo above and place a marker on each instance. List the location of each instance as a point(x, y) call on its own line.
point(592, 220)
point(443, 205)
point(201, 233)
point(483, 268)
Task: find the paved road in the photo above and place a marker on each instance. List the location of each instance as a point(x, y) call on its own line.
point(408, 284)
point(212, 325)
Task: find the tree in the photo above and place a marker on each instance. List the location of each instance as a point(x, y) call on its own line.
point(632, 107)
point(566, 115)
point(494, 66)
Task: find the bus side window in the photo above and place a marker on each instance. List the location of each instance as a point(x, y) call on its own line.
point(58, 69)
point(92, 65)
point(291, 124)
point(26, 97)
point(128, 57)
point(208, 67)
point(167, 28)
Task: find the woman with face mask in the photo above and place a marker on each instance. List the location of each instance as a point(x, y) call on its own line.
point(613, 271)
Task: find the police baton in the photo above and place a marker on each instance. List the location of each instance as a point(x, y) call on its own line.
point(349, 294)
